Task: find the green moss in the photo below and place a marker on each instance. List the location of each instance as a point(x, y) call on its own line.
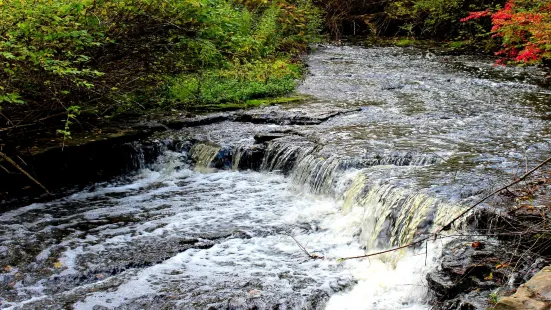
point(272, 101)
point(253, 103)
point(458, 44)
point(406, 42)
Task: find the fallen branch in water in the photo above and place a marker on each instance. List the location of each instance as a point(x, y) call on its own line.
point(450, 223)
point(13, 163)
point(312, 256)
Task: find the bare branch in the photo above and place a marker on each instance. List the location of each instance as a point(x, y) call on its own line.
point(312, 256)
point(13, 163)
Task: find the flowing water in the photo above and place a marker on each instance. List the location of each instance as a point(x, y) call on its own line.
point(392, 143)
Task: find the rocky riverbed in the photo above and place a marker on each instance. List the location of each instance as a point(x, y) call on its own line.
point(389, 144)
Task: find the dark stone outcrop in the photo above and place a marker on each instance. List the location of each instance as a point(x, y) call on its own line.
point(291, 117)
point(251, 157)
point(466, 276)
point(199, 120)
point(472, 276)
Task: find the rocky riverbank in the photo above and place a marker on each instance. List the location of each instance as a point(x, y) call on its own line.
point(389, 147)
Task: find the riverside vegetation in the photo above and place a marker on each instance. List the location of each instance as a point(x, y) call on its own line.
point(66, 60)
point(70, 65)
point(82, 61)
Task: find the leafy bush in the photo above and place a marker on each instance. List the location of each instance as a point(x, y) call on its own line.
point(434, 19)
point(103, 56)
point(524, 28)
point(237, 83)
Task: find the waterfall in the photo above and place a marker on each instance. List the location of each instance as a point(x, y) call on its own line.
point(394, 216)
point(137, 157)
point(247, 157)
point(391, 216)
point(316, 173)
point(282, 156)
point(203, 155)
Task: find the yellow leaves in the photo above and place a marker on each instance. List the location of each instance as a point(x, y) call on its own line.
point(489, 277)
point(58, 265)
point(7, 268)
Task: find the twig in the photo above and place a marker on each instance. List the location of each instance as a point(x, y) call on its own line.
point(451, 222)
point(4, 168)
point(13, 163)
point(312, 256)
point(511, 192)
point(31, 124)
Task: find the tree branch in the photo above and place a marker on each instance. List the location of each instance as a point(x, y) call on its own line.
point(13, 163)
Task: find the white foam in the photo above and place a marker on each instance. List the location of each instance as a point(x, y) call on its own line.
point(168, 204)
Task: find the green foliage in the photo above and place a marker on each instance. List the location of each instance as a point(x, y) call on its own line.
point(436, 18)
point(72, 113)
point(427, 19)
point(493, 297)
point(405, 42)
point(111, 55)
point(249, 103)
point(237, 83)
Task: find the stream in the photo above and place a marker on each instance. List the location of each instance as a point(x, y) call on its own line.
point(390, 144)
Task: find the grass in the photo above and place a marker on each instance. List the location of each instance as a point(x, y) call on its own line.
point(405, 42)
point(236, 86)
point(252, 103)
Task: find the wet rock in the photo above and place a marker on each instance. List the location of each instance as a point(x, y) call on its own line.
point(79, 164)
point(464, 272)
point(475, 300)
point(150, 126)
point(533, 295)
point(201, 120)
point(223, 160)
point(240, 235)
point(214, 235)
point(265, 137)
point(442, 285)
point(290, 117)
point(529, 272)
point(249, 157)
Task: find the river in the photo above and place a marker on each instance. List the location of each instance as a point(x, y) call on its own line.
point(391, 143)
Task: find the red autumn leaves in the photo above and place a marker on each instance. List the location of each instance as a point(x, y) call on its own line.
point(524, 28)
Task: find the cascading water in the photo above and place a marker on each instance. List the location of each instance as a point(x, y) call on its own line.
point(204, 155)
point(209, 224)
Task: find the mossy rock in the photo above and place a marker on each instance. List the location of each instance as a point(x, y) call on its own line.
point(252, 103)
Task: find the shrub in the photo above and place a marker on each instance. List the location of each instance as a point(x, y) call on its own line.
point(524, 28)
point(434, 19)
point(104, 56)
point(237, 83)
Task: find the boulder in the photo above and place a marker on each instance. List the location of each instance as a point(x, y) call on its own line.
point(533, 295)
